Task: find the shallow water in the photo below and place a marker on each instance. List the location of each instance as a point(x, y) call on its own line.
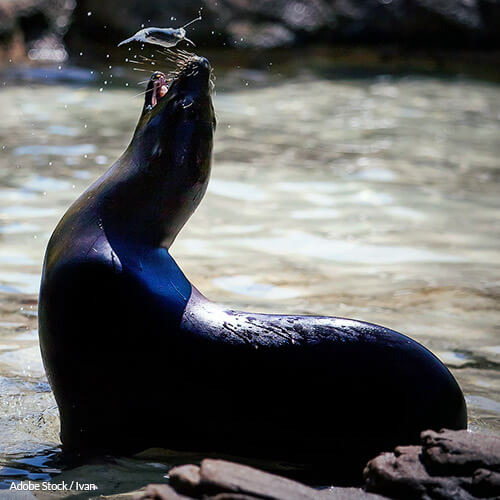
point(374, 198)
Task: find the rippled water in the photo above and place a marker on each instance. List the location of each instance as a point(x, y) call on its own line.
point(375, 198)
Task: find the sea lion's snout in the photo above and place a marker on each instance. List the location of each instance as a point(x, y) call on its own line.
point(202, 63)
point(195, 75)
point(178, 113)
point(191, 79)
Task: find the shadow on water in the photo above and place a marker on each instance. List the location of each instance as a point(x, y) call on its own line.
point(42, 466)
point(114, 475)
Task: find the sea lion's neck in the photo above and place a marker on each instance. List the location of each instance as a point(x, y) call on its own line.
point(151, 191)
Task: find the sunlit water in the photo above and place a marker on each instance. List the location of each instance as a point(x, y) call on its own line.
point(373, 198)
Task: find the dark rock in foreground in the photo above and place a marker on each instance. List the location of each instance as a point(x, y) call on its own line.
point(448, 465)
point(456, 465)
point(221, 480)
point(460, 453)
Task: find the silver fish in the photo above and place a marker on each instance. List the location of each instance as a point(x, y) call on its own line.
point(166, 37)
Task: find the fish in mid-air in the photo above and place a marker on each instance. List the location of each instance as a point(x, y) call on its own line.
point(166, 37)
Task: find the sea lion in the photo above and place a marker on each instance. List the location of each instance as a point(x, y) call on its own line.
point(137, 357)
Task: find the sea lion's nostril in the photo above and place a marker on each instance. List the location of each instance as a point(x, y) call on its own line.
point(203, 62)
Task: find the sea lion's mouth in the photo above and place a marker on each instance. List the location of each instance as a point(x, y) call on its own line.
point(187, 67)
point(157, 89)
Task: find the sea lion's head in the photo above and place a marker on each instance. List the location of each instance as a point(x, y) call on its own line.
point(179, 101)
point(165, 171)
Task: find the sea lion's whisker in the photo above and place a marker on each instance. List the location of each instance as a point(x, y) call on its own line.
point(142, 93)
point(147, 59)
point(163, 52)
point(177, 54)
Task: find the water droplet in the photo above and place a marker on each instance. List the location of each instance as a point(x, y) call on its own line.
point(89, 13)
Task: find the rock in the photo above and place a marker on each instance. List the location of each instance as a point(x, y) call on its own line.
point(285, 23)
point(233, 496)
point(262, 35)
point(96, 26)
point(186, 479)
point(460, 453)
point(235, 478)
point(490, 12)
point(485, 483)
point(34, 29)
point(160, 492)
point(222, 480)
point(338, 493)
point(402, 475)
point(448, 465)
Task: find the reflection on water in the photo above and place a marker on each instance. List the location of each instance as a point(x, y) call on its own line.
point(371, 198)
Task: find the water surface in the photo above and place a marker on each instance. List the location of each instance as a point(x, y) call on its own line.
point(375, 198)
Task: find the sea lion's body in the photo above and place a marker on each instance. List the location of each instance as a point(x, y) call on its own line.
point(138, 358)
